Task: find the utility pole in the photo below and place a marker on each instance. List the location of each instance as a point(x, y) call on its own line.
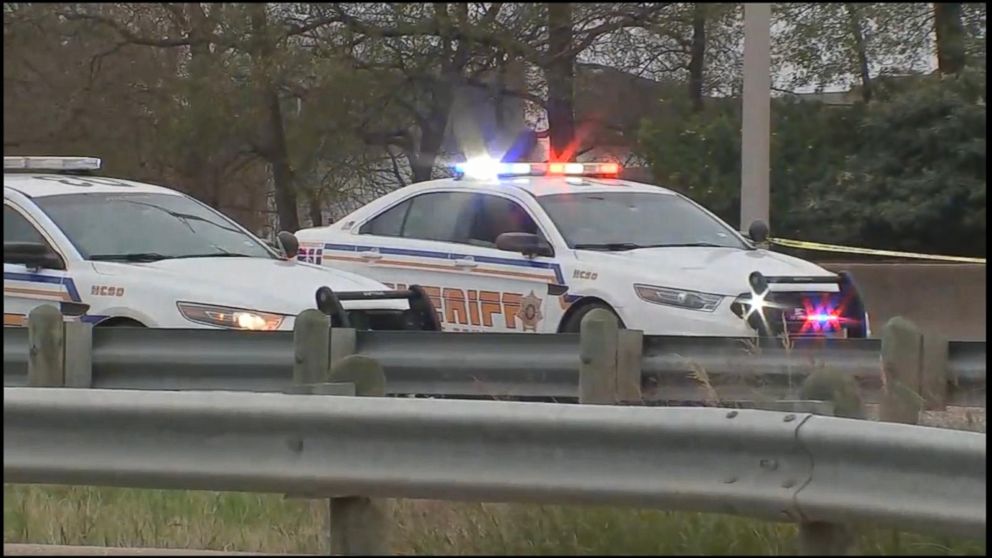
point(756, 114)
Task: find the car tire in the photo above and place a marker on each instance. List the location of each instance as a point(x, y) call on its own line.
point(574, 322)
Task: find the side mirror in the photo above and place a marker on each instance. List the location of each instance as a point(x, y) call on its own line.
point(289, 243)
point(31, 254)
point(758, 231)
point(527, 244)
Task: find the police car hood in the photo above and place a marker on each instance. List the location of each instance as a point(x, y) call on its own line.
point(713, 270)
point(258, 283)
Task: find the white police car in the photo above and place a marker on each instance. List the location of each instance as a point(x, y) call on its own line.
point(121, 253)
point(533, 247)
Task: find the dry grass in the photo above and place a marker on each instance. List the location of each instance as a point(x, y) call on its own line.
point(271, 523)
point(957, 418)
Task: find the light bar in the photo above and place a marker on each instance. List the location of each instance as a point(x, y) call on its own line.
point(51, 163)
point(488, 169)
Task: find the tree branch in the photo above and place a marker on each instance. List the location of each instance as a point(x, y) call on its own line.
point(125, 33)
point(539, 101)
point(396, 167)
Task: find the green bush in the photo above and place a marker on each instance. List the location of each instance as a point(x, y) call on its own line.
point(906, 172)
point(918, 180)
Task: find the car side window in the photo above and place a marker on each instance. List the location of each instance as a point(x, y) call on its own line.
point(437, 216)
point(495, 215)
point(18, 229)
point(388, 223)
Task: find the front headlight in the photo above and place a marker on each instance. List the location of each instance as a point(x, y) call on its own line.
point(690, 300)
point(224, 316)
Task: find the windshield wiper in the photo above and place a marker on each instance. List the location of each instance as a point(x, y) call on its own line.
point(686, 244)
point(624, 246)
point(214, 255)
point(154, 256)
point(135, 257)
point(185, 217)
point(609, 246)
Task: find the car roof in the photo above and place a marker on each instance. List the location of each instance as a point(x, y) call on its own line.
point(540, 186)
point(37, 185)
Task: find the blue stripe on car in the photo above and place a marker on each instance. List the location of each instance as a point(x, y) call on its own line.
point(451, 256)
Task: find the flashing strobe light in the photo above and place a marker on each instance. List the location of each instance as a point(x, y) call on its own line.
point(584, 169)
point(822, 318)
point(485, 168)
point(51, 163)
point(609, 168)
point(481, 167)
point(757, 305)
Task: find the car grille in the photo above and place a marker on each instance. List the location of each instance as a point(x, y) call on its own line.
point(801, 314)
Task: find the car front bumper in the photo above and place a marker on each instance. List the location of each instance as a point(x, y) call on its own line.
point(793, 309)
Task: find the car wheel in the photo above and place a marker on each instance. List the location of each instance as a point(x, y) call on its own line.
point(574, 322)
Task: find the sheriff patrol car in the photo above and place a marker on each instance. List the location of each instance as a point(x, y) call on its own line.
point(533, 247)
point(121, 253)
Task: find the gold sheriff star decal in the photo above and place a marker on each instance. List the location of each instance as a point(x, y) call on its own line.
point(530, 312)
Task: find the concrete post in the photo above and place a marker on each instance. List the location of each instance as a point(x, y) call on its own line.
point(756, 115)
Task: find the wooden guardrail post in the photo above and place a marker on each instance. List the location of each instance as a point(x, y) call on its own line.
point(902, 362)
point(630, 353)
point(838, 389)
point(359, 525)
point(610, 360)
point(46, 347)
point(819, 538)
point(78, 360)
point(936, 371)
point(343, 343)
point(598, 364)
point(825, 539)
point(60, 352)
point(311, 349)
point(356, 525)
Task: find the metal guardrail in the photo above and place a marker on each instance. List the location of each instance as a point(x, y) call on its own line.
point(491, 365)
point(15, 356)
point(770, 465)
point(140, 358)
point(476, 365)
point(740, 369)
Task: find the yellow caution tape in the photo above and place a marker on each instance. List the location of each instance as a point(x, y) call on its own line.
point(869, 251)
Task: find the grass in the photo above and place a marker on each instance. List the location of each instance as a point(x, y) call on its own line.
point(271, 523)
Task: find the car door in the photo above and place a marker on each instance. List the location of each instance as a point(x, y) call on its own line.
point(408, 244)
point(24, 289)
point(525, 287)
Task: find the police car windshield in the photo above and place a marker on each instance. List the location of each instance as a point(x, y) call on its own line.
point(144, 227)
point(620, 221)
